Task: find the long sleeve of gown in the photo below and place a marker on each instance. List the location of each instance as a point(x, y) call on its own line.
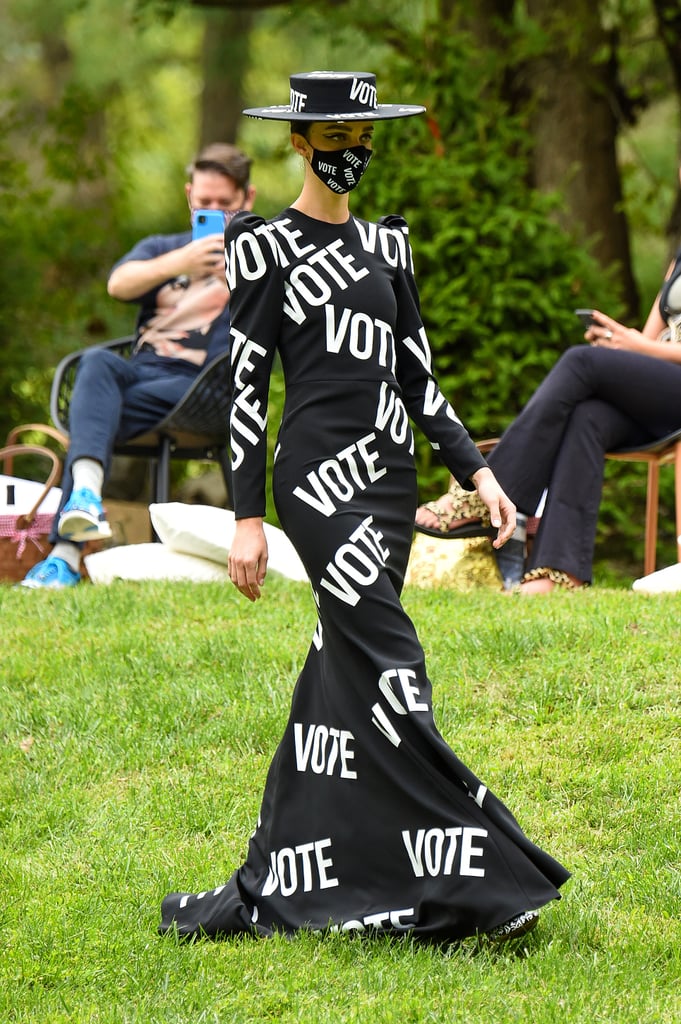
point(256, 287)
point(423, 399)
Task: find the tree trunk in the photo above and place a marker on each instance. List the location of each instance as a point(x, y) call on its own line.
point(574, 121)
point(559, 71)
point(225, 63)
point(669, 29)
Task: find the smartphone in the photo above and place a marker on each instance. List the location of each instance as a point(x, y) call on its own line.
point(207, 222)
point(586, 316)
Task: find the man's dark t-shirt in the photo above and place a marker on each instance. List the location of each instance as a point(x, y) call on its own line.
point(191, 312)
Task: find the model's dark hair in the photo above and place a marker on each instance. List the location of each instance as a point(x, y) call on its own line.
point(300, 128)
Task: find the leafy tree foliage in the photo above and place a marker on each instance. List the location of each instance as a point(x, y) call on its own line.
point(69, 99)
point(99, 112)
point(50, 286)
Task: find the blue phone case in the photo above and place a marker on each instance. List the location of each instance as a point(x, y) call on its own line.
point(207, 222)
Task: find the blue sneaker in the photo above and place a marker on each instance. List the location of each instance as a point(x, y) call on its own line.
point(83, 517)
point(53, 573)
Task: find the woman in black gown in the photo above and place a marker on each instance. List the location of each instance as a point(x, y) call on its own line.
point(368, 819)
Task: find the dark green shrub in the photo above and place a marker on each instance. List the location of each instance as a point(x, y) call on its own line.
point(53, 246)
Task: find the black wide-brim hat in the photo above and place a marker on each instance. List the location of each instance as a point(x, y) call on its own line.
point(334, 96)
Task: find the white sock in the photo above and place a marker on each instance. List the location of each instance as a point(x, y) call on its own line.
point(88, 473)
point(68, 552)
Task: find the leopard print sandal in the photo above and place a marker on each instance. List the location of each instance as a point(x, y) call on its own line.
point(559, 578)
point(465, 508)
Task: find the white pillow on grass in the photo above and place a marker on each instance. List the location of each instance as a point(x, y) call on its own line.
point(150, 562)
point(663, 581)
point(207, 532)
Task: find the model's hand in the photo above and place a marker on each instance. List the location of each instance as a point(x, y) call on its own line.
point(501, 508)
point(203, 257)
point(248, 557)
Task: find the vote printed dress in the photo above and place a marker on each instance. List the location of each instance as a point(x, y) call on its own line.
point(368, 819)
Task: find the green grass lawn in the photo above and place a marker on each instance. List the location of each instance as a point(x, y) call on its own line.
point(136, 725)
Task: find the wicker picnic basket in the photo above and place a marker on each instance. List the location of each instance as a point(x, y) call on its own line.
point(24, 533)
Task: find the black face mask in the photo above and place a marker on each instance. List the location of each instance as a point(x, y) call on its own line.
point(340, 169)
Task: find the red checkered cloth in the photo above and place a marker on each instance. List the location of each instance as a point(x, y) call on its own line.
point(34, 532)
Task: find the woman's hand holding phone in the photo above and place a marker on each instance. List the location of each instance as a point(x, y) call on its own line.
point(604, 332)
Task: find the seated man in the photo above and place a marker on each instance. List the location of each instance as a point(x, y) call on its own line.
point(183, 321)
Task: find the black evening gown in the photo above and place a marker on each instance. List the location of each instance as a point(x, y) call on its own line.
point(368, 819)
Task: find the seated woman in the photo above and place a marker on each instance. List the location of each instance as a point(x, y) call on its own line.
point(621, 390)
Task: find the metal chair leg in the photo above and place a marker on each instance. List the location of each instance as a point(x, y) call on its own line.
point(163, 471)
point(226, 467)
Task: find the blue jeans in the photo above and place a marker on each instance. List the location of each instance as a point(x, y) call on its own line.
point(115, 399)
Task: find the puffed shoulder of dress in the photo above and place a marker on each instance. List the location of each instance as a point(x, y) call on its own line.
point(393, 220)
point(247, 221)
point(241, 222)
